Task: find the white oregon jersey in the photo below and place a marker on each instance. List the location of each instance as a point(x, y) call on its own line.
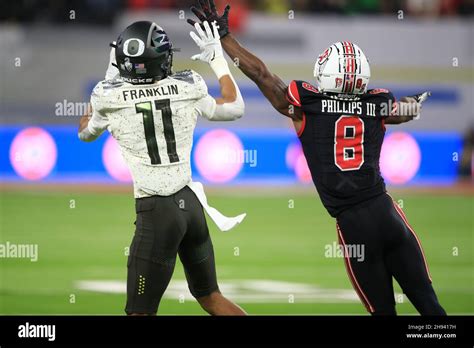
point(154, 126)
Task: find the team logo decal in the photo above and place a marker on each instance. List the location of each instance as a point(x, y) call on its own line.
point(378, 91)
point(161, 41)
point(338, 82)
point(128, 65)
point(133, 47)
point(325, 56)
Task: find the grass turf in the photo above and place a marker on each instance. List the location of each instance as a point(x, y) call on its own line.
point(275, 242)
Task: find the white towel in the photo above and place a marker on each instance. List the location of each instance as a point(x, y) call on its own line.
point(223, 222)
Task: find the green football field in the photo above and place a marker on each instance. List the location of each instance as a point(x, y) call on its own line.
point(276, 262)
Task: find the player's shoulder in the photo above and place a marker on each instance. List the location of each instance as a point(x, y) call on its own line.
point(106, 88)
point(188, 76)
point(379, 93)
point(300, 92)
point(191, 82)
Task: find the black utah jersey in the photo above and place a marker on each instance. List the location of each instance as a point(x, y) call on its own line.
point(342, 139)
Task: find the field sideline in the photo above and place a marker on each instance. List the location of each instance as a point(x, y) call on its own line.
point(274, 263)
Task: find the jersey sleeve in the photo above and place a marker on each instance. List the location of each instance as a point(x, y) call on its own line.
point(200, 86)
point(300, 93)
point(386, 102)
point(206, 107)
point(192, 85)
point(99, 102)
point(205, 104)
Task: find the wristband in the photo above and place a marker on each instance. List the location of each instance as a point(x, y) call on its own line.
point(220, 67)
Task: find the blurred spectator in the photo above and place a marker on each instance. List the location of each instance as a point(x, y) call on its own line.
point(466, 167)
point(103, 11)
point(58, 11)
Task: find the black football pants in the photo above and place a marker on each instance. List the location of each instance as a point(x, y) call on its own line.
point(379, 228)
point(165, 227)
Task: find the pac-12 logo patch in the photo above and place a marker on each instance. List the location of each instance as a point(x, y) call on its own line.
point(379, 90)
point(310, 87)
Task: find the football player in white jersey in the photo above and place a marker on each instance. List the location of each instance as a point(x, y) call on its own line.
point(152, 113)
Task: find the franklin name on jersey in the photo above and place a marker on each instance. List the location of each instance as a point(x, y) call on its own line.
point(153, 125)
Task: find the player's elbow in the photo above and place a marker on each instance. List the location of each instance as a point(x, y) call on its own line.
point(235, 110)
point(86, 136)
point(239, 112)
point(238, 108)
point(229, 111)
point(261, 73)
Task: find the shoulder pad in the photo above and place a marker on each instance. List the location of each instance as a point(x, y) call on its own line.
point(185, 76)
point(299, 91)
point(381, 92)
point(114, 83)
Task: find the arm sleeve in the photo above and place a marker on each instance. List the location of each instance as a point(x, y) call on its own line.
point(98, 122)
point(208, 108)
point(96, 126)
point(386, 102)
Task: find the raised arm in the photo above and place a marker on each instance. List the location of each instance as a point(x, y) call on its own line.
point(272, 86)
point(91, 125)
point(230, 105)
point(408, 108)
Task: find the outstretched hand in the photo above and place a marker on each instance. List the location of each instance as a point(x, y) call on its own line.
point(208, 12)
point(422, 97)
point(208, 41)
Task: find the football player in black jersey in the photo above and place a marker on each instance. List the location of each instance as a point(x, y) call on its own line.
point(341, 126)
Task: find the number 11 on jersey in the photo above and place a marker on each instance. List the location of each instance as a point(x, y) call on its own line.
point(146, 109)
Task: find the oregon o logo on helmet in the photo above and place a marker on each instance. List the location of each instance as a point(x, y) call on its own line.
point(133, 47)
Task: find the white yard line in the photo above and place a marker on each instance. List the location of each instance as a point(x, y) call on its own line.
point(242, 290)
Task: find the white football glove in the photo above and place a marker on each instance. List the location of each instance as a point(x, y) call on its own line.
point(211, 49)
point(420, 99)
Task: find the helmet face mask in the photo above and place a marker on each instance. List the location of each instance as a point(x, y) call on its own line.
point(144, 53)
point(342, 68)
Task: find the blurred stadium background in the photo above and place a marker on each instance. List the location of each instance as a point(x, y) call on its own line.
point(74, 200)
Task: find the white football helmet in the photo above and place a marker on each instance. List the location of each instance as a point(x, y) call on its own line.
point(342, 68)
